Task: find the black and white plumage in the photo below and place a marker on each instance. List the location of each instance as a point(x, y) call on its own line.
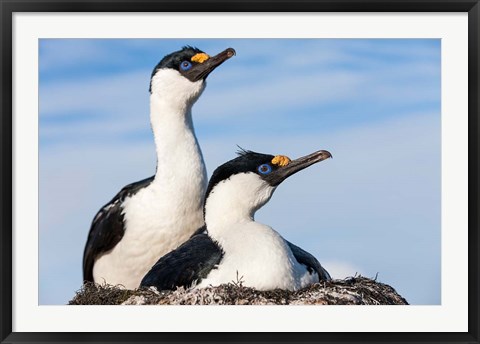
point(233, 244)
point(147, 219)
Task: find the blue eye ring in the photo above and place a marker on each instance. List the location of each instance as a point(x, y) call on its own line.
point(185, 65)
point(264, 169)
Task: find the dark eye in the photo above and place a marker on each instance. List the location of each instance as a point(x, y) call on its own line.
point(185, 65)
point(264, 169)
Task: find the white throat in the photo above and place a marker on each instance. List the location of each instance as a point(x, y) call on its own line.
point(234, 201)
point(179, 158)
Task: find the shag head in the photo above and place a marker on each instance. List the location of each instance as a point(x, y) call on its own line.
point(250, 179)
point(185, 71)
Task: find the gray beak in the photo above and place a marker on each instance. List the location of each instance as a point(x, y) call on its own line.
point(201, 71)
point(282, 173)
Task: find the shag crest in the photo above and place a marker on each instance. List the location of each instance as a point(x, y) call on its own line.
point(242, 152)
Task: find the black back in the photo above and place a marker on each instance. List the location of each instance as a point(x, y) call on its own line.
point(312, 264)
point(192, 261)
point(107, 227)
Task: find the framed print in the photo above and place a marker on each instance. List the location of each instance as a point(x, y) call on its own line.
point(389, 89)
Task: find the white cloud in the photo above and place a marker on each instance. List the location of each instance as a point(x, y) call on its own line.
point(108, 95)
point(342, 270)
point(286, 92)
point(64, 53)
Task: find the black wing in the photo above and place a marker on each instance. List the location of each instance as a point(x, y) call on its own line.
point(107, 227)
point(312, 264)
point(192, 261)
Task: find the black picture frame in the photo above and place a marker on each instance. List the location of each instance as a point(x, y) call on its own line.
point(9, 7)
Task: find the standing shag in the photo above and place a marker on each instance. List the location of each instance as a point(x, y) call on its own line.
point(234, 244)
point(149, 218)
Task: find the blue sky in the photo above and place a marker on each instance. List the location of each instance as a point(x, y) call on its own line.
point(374, 104)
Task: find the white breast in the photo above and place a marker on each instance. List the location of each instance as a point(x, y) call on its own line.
point(260, 258)
point(154, 228)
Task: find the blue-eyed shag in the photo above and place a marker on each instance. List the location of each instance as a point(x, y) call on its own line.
point(233, 244)
point(149, 218)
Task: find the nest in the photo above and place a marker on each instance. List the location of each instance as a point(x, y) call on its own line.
point(356, 290)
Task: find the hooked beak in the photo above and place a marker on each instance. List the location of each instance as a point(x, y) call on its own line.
point(282, 173)
point(202, 70)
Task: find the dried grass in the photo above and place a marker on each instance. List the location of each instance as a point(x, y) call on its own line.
point(356, 290)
